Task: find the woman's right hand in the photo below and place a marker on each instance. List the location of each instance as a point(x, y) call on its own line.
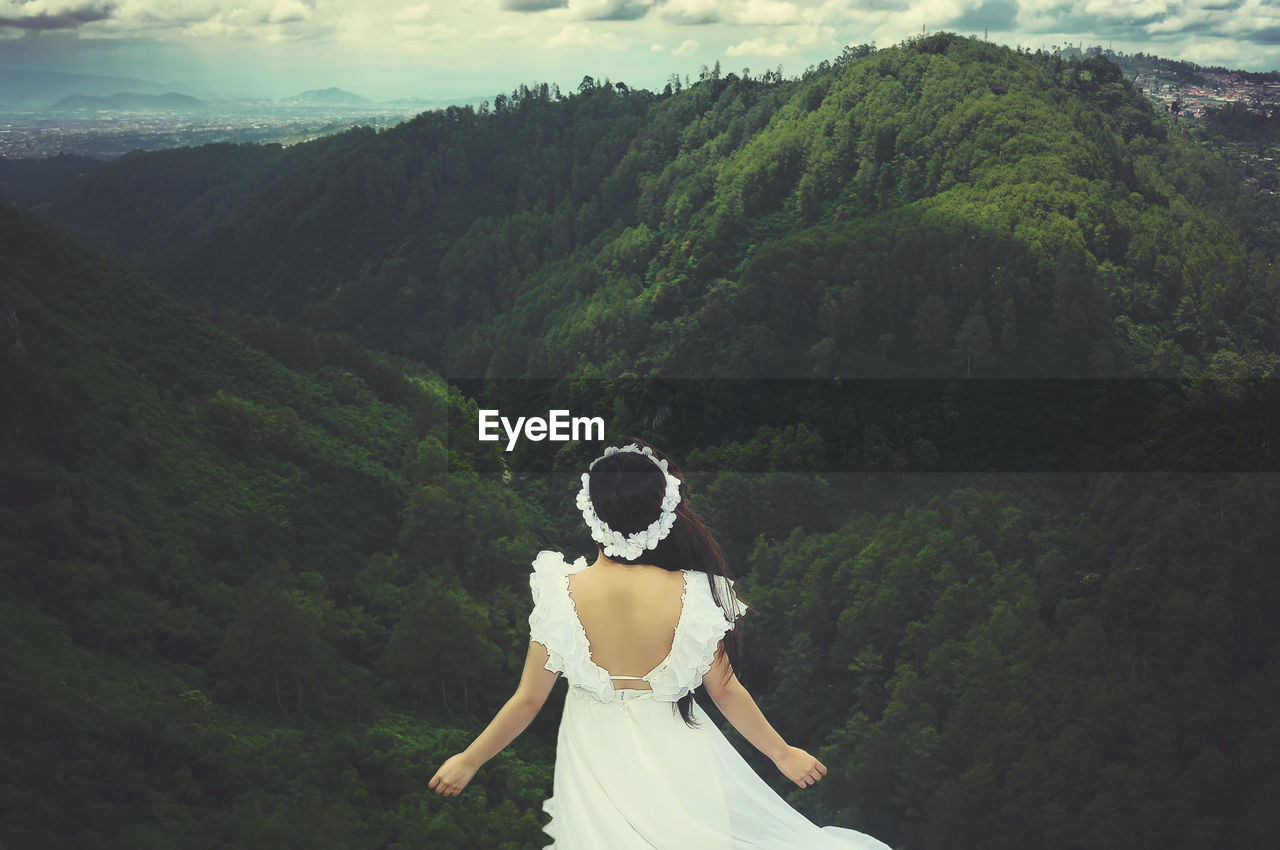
point(453, 775)
point(800, 767)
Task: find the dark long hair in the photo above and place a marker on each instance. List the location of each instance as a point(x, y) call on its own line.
point(626, 491)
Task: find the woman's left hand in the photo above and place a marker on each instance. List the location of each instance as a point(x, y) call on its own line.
point(453, 775)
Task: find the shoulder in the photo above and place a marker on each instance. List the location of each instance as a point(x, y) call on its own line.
point(550, 567)
point(549, 561)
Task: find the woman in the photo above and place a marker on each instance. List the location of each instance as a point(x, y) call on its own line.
point(638, 764)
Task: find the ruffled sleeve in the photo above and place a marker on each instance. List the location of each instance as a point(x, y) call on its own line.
point(545, 622)
point(554, 624)
point(702, 625)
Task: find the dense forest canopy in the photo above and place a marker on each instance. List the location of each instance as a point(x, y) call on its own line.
point(946, 206)
point(253, 593)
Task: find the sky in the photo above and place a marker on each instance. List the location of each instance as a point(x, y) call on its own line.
point(440, 50)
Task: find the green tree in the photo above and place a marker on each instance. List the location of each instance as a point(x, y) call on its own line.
point(275, 646)
point(931, 322)
point(973, 340)
point(443, 638)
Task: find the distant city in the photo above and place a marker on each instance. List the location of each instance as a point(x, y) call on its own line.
point(1187, 89)
point(44, 114)
point(108, 133)
point(1218, 88)
point(1239, 107)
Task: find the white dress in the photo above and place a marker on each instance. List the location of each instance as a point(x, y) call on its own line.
point(629, 772)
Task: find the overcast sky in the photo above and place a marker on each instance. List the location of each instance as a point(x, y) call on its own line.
point(437, 49)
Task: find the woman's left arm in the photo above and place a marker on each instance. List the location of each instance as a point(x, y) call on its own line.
point(513, 718)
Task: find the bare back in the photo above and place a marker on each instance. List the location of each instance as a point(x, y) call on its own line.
point(630, 616)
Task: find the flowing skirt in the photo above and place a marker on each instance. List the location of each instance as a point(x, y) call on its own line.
point(631, 774)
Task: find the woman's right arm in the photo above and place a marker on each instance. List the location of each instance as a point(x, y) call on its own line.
point(741, 710)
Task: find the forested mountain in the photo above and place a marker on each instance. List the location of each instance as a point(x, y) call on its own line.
point(946, 206)
point(253, 596)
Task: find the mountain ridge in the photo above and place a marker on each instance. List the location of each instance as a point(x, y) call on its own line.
point(131, 101)
point(36, 87)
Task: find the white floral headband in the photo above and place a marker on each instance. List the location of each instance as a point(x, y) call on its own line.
point(632, 545)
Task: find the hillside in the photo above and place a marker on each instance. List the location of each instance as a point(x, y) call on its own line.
point(942, 207)
point(218, 556)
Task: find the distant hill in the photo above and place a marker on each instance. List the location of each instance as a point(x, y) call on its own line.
point(32, 88)
point(131, 101)
point(327, 97)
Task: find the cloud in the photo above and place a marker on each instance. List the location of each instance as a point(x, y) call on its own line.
point(809, 36)
point(533, 5)
point(60, 20)
point(412, 14)
point(760, 47)
point(999, 15)
point(736, 12)
point(422, 35)
point(692, 12)
point(1270, 35)
point(689, 45)
point(1139, 21)
point(613, 10)
point(181, 20)
point(504, 31)
point(286, 12)
point(578, 36)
